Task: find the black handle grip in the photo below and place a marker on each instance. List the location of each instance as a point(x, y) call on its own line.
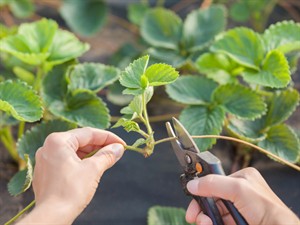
point(216, 168)
point(210, 209)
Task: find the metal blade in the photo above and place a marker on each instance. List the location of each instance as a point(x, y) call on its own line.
point(176, 146)
point(184, 137)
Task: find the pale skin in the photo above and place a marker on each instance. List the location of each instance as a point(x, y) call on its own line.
point(65, 182)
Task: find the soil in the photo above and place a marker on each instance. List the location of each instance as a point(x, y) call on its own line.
point(135, 184)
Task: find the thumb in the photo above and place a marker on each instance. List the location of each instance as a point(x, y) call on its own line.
point(106, 157)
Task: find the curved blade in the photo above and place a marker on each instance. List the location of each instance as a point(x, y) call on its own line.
point(184, 137)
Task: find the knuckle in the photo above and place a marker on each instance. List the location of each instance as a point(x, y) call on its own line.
point(250, 172)
point(53, 139)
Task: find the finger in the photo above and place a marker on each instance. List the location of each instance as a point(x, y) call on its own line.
point(203, 219)
point(105, 157)
point(209, 186)
point(192, 212)
point(81, 137)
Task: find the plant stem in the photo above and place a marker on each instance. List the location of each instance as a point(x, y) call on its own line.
point(165, 140)
point(20, 213)
point(9, 142)
point(38, 79)
point(147, 123)
point(21, 129)
point(139, 150)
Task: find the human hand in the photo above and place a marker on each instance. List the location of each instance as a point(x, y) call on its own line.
point(250, 194)
point(64, 182)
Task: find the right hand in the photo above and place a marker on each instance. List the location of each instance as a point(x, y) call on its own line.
point(250, 194)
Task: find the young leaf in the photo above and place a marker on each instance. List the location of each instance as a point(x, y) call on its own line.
point(92, 76)
point(34, 138)
point(242, 45)
point(281, 105)
point(247, 130)
point(218, 67)
point(158, 215)
point(240, 101)
point(115, 95)
point(274, 72)
point(283, 36)
point(161, 28)
point(192, 90)
point(201, 26)
point(84, 17)
point(282, 141)
point(21, 181)
point(136, 12)
point(20, 100)
point(203, 120)
point(131, 77)
point(161, 74)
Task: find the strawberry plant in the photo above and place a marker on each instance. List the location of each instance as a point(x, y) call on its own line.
point(237, 81)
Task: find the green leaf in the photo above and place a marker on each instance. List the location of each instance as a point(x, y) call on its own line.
point(84, 17)
point(136, 12)
point(240, 101)
point(281, 105)
point(247, 130)
point(162, 28)
point(20, 100)
point(131, 77)
point(161, 74)
point(218, 67)
point(21, 8)
point(34, 138)
point(239, 12)
point(158, 215)
point(201, 26)
point(274, 72)
point(282, 141)
point(17, 46)
point(65, 46)
point(192, 90)
point(242, 45)
point(139, 142)
point(115, 95)
point(41, 41)
point(24, 75)
point(21, 181)
point(92, 76)
point(38, 35)
point(169, 56)
point(283, 36)
point(82, 107)
point(203, 120)
point(128, 125)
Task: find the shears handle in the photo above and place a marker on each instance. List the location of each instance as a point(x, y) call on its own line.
point(216, 168)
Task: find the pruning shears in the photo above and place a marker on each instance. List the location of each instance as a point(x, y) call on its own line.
point(197, 164)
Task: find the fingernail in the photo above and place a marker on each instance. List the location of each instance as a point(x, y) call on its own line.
point(118, 150)
point(192, 186)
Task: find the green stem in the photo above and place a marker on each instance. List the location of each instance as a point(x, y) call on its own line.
point(9, 143)
point(39, 77)
point(20, 213)
point(164, 140)
point(21, 128)
point(146, 118)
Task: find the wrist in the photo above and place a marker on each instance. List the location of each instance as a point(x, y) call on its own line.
point(50, 213)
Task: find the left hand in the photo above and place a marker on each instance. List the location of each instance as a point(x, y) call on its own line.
point(64, 183)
